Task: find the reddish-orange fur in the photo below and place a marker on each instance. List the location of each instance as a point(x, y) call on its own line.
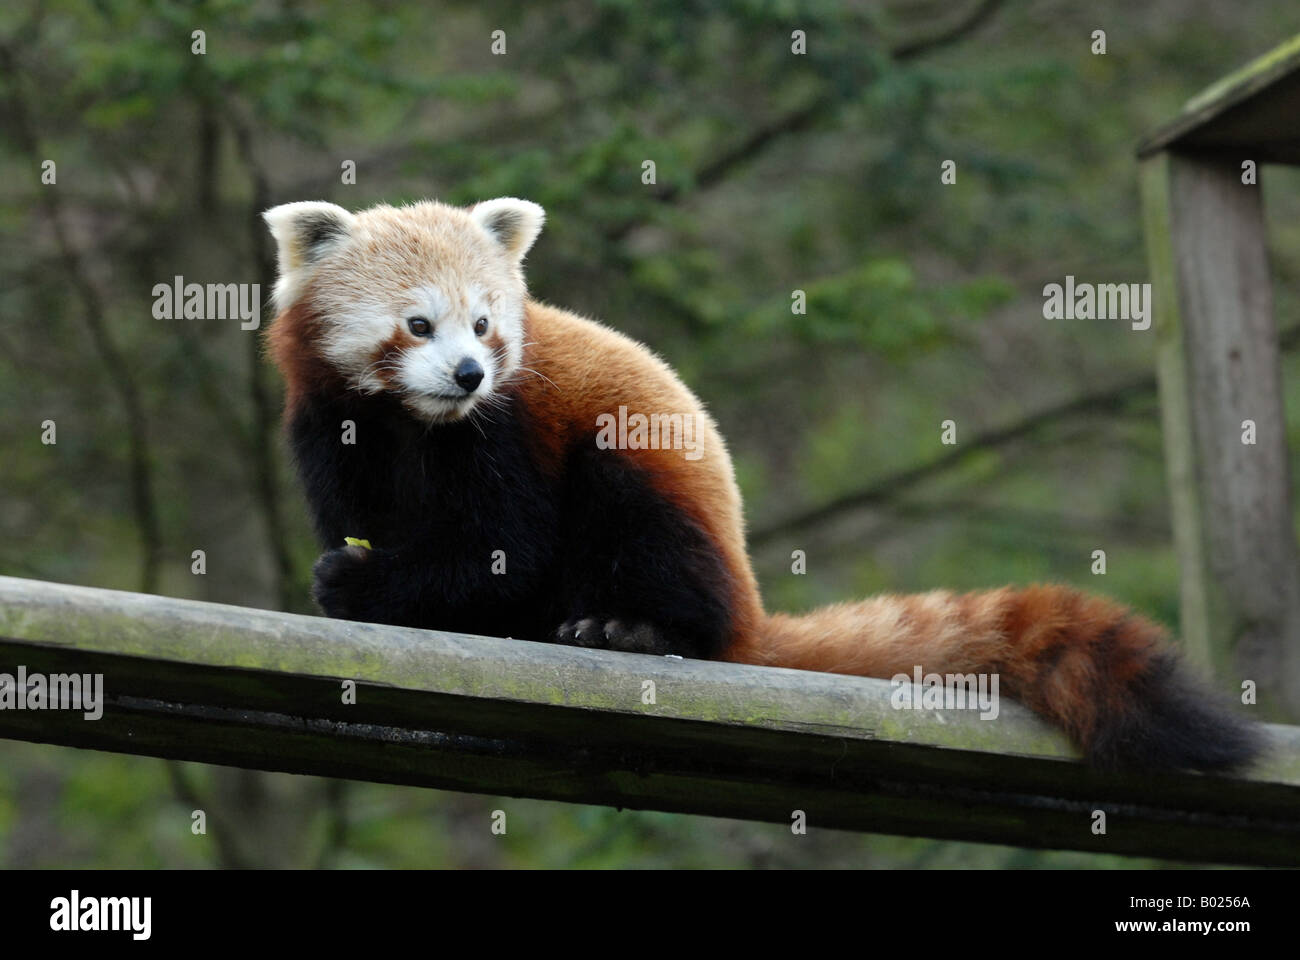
point(583, 370)
point(291, 342)
point(1067, 655)
point(1042, 641)
point(1106, 675)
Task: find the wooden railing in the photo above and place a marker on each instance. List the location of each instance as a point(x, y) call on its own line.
point(272, 691)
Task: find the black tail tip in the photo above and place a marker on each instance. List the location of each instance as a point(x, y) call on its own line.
point(1175, 722)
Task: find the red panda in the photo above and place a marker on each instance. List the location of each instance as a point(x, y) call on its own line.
point(525, 472)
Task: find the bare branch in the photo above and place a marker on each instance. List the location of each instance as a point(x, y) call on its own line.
point(720, 167)
point(888, 488)
point(115, 365)
point(263, 429)
point(223, 832)
point(970, 20)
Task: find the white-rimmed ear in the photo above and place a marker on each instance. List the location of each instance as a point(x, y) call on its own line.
point(513, 223)
point(304, 232)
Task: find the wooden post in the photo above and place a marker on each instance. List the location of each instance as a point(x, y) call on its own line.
point(1219, 372)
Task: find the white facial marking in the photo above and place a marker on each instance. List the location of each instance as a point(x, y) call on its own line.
point(428, 302)
point(427, 370)
point(447, 266)
point(350, 340)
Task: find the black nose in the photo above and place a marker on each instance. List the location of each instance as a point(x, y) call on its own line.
point(468, 375)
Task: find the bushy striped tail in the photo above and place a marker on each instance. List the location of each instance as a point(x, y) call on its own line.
point(1106, 675)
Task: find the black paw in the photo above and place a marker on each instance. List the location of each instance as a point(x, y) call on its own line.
point(340, 582)
point(612, 635)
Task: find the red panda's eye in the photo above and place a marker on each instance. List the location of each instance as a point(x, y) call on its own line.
point(420, 326)
point(480, 326)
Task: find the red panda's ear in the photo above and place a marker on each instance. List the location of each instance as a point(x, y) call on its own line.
point(513, 223)
point(304, 232)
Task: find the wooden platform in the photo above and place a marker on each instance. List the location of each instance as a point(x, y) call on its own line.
point(258, 689)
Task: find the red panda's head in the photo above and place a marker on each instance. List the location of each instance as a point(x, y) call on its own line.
point(425, 301)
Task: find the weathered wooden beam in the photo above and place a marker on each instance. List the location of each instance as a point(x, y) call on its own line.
point(1219, 370)
point(1250, 113)
point(254, 688)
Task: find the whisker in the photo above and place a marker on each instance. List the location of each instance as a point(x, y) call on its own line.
point(538, 374)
